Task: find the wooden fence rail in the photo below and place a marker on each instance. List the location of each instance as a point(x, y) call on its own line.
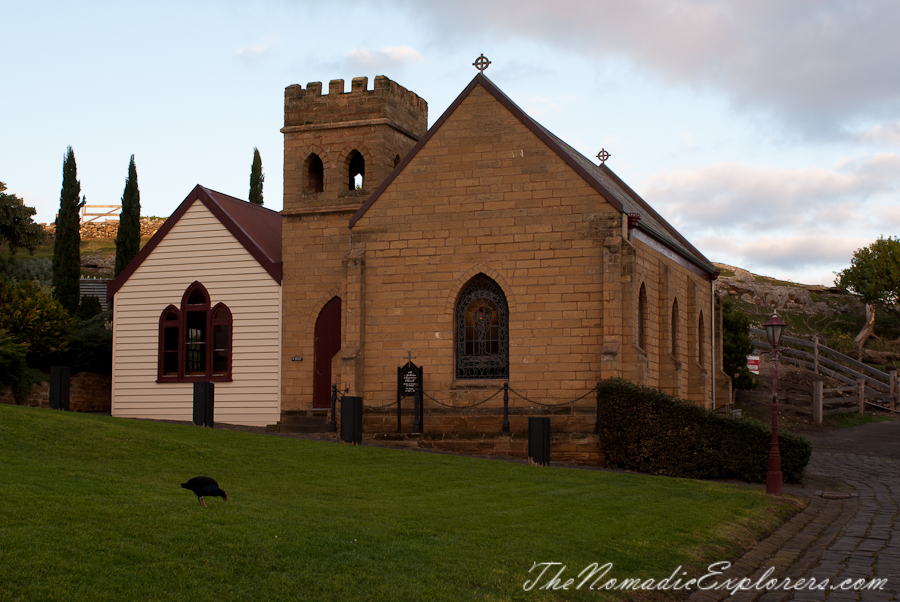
point(869, 384)
point(111, 215)
point(839, 371)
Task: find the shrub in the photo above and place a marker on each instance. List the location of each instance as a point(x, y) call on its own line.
point(90, 345)
point(39, 269)
point(736, 346)
point(649, 431)
point(33, 317)
point(12, 360)
point(88, 308)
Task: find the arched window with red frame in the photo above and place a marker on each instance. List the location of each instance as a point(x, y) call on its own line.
point(195, 341)
point(195, 308)
point(221, 340)
point(169, 329)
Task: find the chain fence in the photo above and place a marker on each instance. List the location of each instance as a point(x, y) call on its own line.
point(340, 397)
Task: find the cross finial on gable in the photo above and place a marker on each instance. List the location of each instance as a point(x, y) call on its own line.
point(481, 63)
point(603, 156)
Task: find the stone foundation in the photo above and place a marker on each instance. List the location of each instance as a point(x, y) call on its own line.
point(478, 420)
point(88, 392)
point(475, 431)
point(566, 448)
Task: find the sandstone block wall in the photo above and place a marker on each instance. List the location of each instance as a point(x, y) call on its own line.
point(486, 195)
point(382, 124)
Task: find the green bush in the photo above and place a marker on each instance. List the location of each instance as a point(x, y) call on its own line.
point(88, 308)
point(12, 360)
point(736, 346)
point(90, 345)
point(33, 317)
point(39, 269)
point(649, 431)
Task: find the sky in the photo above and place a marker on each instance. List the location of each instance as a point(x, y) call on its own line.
point(766, 131)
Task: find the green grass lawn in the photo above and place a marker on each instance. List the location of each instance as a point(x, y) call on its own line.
point(852, 419)
point(91, 509)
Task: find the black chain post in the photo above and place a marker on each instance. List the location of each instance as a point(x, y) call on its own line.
point(597, 424)
point(417, 399)
point(505, 428)
point(332, 423)
point(421, 407)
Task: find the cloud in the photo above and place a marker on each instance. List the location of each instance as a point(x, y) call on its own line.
point(255, 52)
point(817, 65)
point(386, 58)
point(741, 196)
point(803, 251)
point(888, 133)
point(794, 222)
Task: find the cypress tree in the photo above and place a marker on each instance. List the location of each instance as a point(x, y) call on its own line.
point(66, 247)
point(256, 179)
point(128, 236)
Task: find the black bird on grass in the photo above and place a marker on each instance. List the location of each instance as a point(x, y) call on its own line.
point(205, 486)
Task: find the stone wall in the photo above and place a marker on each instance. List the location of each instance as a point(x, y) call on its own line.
point(381, 124)
point(486, 195)
point(566, 448)
point(88, 392)
point(149, 226)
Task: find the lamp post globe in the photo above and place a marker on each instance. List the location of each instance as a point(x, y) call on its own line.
point(774, 329)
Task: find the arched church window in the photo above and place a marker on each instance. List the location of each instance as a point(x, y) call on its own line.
point(315, 175)
point(701, 335)
point(357, 169)
point(195, 341)
point(169, 324)
point(482, 331)
point(396, 160)
point(674, 336)
point(642, 316)
point(196, 330)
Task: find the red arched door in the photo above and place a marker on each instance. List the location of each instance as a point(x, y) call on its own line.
point(328, 342)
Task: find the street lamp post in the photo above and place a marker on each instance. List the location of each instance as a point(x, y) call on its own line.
point(774, 329)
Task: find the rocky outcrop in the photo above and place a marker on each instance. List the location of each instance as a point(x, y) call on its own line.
point(799, 298)
point(149, 226)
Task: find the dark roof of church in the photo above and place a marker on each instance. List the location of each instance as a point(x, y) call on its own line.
point(600, 177)
point(258, 229)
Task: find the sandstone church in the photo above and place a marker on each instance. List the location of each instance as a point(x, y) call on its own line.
point(483, 249)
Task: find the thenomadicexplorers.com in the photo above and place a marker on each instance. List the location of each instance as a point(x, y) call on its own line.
point(594, 577)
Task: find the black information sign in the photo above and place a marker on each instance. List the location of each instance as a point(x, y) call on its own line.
point(410, 380)
point(409, 377)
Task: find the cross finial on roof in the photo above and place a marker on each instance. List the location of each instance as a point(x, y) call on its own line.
point(603, 156)
point(481, 63)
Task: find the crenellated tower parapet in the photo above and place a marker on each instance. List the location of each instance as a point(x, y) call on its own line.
point(339, 146)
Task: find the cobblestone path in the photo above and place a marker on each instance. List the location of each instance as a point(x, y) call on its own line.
point(850, 530)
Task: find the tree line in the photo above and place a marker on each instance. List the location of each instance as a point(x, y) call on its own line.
point(43, 318)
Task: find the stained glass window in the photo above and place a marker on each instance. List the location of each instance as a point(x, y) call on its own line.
point(482, 331)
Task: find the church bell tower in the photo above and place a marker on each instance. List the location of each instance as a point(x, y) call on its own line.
point(338, 148)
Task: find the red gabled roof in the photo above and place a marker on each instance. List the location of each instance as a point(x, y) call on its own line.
point(258, 229)
point(600, 178)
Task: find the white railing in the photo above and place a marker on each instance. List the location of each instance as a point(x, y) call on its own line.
point(111, 216)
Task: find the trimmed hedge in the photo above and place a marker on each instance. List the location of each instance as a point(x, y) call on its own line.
point(646, 430)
